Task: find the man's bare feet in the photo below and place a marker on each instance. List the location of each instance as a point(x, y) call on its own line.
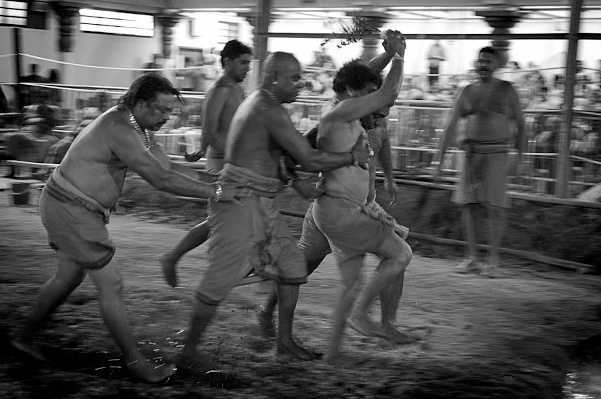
point(389, 332)
point(363, 326)
point(293, 351)
point(169, 269)
point(29, 349)
point(151, 372)
point(490, 270)
point(266, 327)
point(468, 266)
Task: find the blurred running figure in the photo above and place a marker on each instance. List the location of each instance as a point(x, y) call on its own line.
point(343, 214)
point(79, 197)
point(252, 234)
point(314, 244)
point(222, 100)
point(490, 105)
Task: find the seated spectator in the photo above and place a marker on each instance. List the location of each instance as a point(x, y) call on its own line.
point(57, 151)
point(34, 139)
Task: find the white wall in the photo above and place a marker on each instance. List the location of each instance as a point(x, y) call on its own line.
point(133, 52)
point(89, 49)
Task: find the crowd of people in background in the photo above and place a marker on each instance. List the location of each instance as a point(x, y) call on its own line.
point(541, 92)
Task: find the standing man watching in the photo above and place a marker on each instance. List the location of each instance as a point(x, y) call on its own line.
point(436, 56)
point(490, 106)
point(222, 100)
point(252, 234)
point(79, 197)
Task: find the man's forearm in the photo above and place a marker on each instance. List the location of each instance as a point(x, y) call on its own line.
point(385, 158)
point(324, 161)
point(184, 170)
point(395, 76)
point(181, 184)
point(379, 62)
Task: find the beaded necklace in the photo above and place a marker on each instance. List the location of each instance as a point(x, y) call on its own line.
point(143, 132)
point(270, 94)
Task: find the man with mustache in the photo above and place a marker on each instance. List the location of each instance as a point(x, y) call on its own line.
point(222, 100)
point(77, 200)
point(490, 105)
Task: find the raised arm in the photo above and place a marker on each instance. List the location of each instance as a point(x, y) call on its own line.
point(357, 107)
point(379, 62)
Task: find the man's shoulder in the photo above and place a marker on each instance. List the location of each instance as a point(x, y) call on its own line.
point(113, 120)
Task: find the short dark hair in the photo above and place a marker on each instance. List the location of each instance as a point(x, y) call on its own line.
point(355, 74)
point(489, 50)
point(145, 88)
point(234, 49)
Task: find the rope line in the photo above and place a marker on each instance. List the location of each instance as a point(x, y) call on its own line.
point(104, 67)
point(308, 68)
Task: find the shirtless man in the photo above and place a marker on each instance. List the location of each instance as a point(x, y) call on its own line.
point(490, 105)
point(342, 213)
point(251, 234)
point(315, 246)
point(77, 201)
point(222, 100)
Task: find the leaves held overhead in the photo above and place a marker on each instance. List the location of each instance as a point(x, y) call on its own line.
point(350, 31)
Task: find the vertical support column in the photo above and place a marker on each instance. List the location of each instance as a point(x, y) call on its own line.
point(501, 19)
point(67, 18)
point(252, 17)
point(263, 21)
point(17, 47)
point(563, 161)
point(167, 21)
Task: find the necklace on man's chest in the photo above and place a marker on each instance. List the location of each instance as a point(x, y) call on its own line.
point(142, 132)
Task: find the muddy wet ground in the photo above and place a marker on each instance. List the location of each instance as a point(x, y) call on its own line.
point(515, 336)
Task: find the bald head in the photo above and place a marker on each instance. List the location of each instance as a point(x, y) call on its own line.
point(282, 76)
point(277, 63)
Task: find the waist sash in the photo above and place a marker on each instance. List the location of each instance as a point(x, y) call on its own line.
point(256, 183)
point(60, 188)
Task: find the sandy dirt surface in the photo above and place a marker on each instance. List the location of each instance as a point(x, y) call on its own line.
point(515, 336)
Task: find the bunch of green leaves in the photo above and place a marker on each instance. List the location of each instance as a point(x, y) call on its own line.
point(350, 31)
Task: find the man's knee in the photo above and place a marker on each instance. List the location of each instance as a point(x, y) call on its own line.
point(108, 279)
point(406, 255)
point(396, 249)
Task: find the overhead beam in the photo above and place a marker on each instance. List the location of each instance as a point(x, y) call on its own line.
point(442, 36)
